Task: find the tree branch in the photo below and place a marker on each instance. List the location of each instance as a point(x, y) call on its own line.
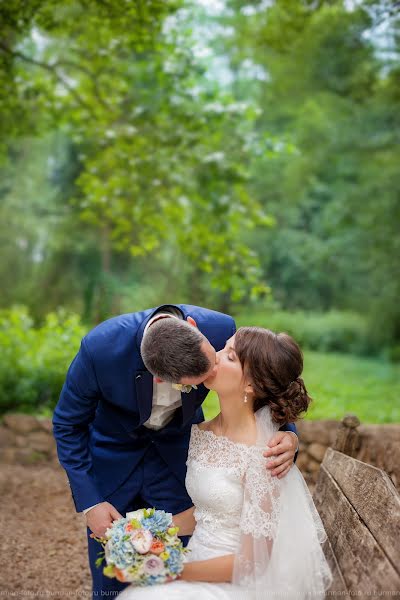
point(90, 75)
point(53, 71)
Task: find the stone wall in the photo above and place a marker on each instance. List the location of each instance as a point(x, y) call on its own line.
point(315, 437)
point(377, 445)
point(27, 440)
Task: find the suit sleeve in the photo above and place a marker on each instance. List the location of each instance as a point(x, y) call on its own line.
point(71, 419)
point(234, 328)
point(291, 427)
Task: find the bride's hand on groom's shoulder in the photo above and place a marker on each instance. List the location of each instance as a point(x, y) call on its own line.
point(282, 447)
point(100, 517)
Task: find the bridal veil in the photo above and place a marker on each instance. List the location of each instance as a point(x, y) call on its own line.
point(280, 554)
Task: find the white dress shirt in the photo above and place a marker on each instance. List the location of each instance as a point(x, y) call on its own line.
point(165, 398)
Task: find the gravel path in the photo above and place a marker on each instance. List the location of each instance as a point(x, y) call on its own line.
point(43, 548)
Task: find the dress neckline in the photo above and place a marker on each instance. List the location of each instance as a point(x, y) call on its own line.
point(223, 437)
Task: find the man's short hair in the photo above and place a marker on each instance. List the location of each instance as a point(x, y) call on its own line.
point(171, 349)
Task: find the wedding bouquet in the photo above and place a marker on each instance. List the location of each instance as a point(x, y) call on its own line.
point(143, 548)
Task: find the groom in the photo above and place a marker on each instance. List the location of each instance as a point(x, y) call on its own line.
point(123, 435)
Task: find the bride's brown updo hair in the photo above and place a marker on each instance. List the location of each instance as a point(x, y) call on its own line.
point(273, 362)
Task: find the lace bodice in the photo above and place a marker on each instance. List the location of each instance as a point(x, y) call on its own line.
point(216, 468)
point(214, 477)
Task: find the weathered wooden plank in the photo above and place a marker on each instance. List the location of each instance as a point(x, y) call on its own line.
point(373, 496)
point(363, 564)
point(347, 435)
point(338, 583)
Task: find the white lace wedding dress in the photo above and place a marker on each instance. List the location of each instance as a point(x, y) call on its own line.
point(216, 472)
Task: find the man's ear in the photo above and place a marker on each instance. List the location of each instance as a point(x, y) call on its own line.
point(191, 321)
point(158, 380)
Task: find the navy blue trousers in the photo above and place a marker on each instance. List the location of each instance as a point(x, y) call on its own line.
point(151, 484)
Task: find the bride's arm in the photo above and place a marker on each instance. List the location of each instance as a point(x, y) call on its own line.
point(215, 570)
point(185, 521)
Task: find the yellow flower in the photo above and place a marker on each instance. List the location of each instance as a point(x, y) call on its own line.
point(184, 387)
point(135, 524)
point(164, 555)
point(108, 571)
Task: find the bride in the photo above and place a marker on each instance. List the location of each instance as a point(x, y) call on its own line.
point(254, 536)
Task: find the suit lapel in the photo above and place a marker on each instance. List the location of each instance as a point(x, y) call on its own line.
point(144, 394)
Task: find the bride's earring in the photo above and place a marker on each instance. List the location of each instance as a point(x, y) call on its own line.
point(245, 397)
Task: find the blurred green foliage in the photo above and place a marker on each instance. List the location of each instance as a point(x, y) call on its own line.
point(332, 97)
point(148, 161)
point(201, 154)
point(34, 360)
point(333, 331)
point(218, 154)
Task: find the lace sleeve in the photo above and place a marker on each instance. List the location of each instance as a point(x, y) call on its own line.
point(279, 552)
point(260, 512)
point(258, 524)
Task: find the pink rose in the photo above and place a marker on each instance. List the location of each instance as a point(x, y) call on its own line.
point(141, 540)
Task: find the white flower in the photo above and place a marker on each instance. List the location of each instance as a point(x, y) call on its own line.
point(135, 514)
point(108, 532)
point(184, 387)
point(141, 540)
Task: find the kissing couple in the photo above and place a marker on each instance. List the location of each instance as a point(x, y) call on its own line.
point(131, 434)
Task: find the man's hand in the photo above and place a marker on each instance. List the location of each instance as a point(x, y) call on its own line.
point(283, 446)
point(100, 518)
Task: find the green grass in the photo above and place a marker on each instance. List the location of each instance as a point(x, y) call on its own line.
point(340, 384)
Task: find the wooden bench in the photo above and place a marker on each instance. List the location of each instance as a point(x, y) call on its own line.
point(360, 509)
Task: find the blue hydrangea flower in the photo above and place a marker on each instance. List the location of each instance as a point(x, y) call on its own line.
point(118, 555)
point(154, 579)
point(174, 561)
point(160, 521)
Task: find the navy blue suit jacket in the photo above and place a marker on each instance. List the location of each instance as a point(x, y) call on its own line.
point(106, 398)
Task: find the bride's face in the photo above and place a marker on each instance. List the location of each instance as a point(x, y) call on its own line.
point(228, 378)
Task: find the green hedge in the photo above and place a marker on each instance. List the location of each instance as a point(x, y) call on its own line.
point(333, 331)
point(34, 360)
